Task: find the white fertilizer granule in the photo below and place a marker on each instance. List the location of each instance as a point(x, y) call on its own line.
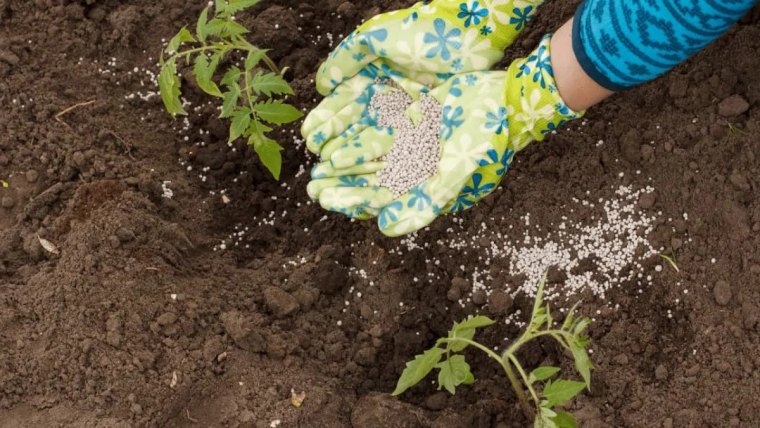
point(415, 153)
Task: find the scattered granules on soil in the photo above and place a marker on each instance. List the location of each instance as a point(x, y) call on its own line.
point(592, 256)
point(415, 153)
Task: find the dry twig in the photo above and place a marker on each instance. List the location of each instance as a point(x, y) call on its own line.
point(69, 109)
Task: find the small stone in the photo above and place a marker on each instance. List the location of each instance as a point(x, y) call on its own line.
point(280, 302)
point(7, 202)
point(437, 401)
point(661, 373)
point(646, 200)
point(647, 152)
point(460, 283)
point(114, 241)
point(722, 293)
point(479, 297)
point(167, 318)
point(499, 302)
point(630, 146)
point(733, 106)
point(739, 181)
point(125, 235)
point(454, 294)
point(667, 423)
point(242, 331)
point(32, 176)
point(78, 159)
point(621, 359)
point(750, 314)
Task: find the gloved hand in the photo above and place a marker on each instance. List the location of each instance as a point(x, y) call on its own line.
point(487, 117)
point(430, 40)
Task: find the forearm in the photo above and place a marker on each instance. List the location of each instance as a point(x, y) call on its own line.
point(577, 89)
point(613, 45)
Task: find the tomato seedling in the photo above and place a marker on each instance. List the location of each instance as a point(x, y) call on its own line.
point(546, 392)
point(251, 96)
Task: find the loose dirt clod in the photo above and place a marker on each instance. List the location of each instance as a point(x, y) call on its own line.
point(415, 152)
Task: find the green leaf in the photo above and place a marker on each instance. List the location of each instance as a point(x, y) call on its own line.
point(539, 302)
point(220, 7)
point(580, 325)
point(270, 83)
point(466, 330)
point(235, 6)
point(204, 71)
point(545, 417)
point(582, 362)
point(169, 86)
point(231, 76)
point(454, 372)
point(560, 391)
point(565, 420)
point(253, 58)
point(257, 128)
point(183, 36)
point(232, 28)
point(417, 369)
point(241, 119)
point(569, 317)
point(269, 153)
point(215, 27)
point(4, 184)
point(230, 100)
point(276, 112)
point(200, 27)
point(542, 373)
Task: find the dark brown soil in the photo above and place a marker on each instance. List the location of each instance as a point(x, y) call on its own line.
point(140, 321)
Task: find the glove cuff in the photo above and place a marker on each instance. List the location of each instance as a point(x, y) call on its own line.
point(538, 109)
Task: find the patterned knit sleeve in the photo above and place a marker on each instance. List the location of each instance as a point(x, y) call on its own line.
point(623, 43)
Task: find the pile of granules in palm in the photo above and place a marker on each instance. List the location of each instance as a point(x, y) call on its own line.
point(415, 153)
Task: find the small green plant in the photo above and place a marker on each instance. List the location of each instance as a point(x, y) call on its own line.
point(249, 95)
point(546, 392)
point(671, 261)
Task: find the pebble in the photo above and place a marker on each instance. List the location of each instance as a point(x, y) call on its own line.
point(750, 314)
point(32, 176)
point(733, 106)
point(630, 146)
point(621, 359)
point(661, 372)
point(722, 293)
point(646, 200)
point(739, 181)
point(437, 401)
point(479, 297)
point(454, 294)
point(280, 302)
point(7, 202)
point(499, 302)
point(167, 318)
point(124, 234)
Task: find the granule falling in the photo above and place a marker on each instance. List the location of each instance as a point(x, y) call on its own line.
point(415, 153)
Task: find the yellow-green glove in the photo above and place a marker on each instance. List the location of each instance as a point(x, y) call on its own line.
point(487, 117)
point(430, 40)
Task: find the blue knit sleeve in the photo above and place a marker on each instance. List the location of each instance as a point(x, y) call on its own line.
point(623, 43)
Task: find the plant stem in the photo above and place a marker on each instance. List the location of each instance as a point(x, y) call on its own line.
point(507, 369)
point(241, 47)
point(524, 376)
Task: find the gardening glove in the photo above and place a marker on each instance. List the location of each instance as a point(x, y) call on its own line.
point(486, 118)
point(430, 40)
